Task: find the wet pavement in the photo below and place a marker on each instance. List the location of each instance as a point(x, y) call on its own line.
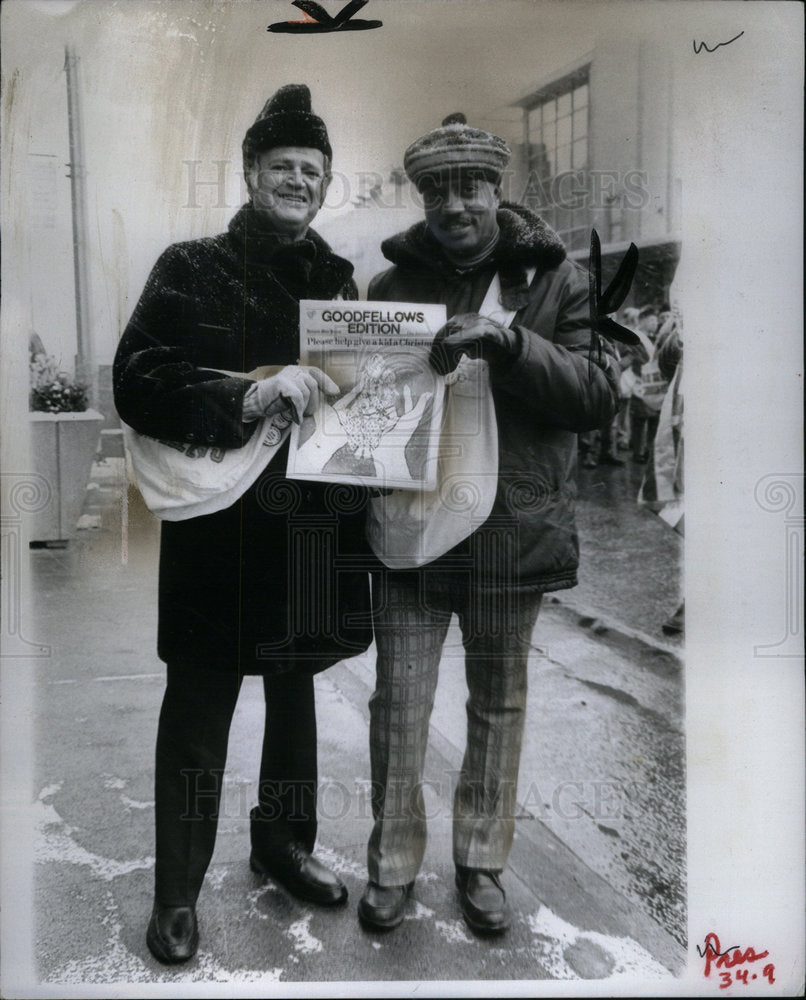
point(597, 872)
point(630, 561)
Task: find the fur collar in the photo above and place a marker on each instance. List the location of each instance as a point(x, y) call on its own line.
point(307, 268)
point(525, 241)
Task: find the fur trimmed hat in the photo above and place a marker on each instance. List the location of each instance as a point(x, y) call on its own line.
point(455, 145)
point(286, 120)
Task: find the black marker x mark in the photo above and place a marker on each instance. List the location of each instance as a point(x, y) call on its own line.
point(601, 303)
point(322, 21)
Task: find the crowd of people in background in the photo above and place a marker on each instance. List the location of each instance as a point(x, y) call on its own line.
point(649, 424)
point(642, 389)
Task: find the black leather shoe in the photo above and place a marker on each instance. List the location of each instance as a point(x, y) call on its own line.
point(483, 900)
point(173, 933)
point(298, 871)
point(382, 906)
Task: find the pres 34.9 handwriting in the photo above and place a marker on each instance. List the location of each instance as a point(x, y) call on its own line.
point(733, 963)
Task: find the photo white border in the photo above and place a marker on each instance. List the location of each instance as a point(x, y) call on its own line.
point(740, 123)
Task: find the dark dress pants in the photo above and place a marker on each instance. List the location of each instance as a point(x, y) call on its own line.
point(191, 756)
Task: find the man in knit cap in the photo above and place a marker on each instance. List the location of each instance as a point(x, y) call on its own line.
point(235, 586)
point(547, 386)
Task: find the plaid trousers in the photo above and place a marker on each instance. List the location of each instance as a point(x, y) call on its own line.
point(411, 615)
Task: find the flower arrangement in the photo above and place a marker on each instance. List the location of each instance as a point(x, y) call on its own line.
point(52, 390)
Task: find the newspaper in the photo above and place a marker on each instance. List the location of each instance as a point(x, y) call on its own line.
point(382, 429)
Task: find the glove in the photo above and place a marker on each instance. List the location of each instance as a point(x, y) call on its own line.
point(295, 389)
point(474, 335)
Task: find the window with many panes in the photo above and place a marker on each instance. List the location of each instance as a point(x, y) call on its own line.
point(557, 156)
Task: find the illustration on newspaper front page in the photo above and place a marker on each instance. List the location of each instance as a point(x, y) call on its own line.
point(382, 429)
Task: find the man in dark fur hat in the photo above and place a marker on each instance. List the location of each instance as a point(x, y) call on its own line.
point(546, 389)
point(235, 586)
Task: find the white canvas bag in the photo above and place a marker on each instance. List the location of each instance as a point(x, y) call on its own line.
point(179, 480)
point(408, 528)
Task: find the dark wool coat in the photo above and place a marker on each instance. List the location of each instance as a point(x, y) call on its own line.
point(546, 391)
point(271, 582)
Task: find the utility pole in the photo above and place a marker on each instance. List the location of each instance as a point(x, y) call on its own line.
point(85, 362)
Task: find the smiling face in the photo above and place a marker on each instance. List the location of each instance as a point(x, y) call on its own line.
point(460, 210)
point(288, 185)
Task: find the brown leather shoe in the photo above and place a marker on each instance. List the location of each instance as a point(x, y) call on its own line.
point(382, 906)
point(298, 871)
point(483, 900)
point(173, 933)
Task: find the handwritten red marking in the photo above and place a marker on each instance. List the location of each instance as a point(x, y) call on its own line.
point(718, 959)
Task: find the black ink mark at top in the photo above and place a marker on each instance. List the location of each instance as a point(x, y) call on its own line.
point(318, 20)
point(702, 952)
point(698, 48)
